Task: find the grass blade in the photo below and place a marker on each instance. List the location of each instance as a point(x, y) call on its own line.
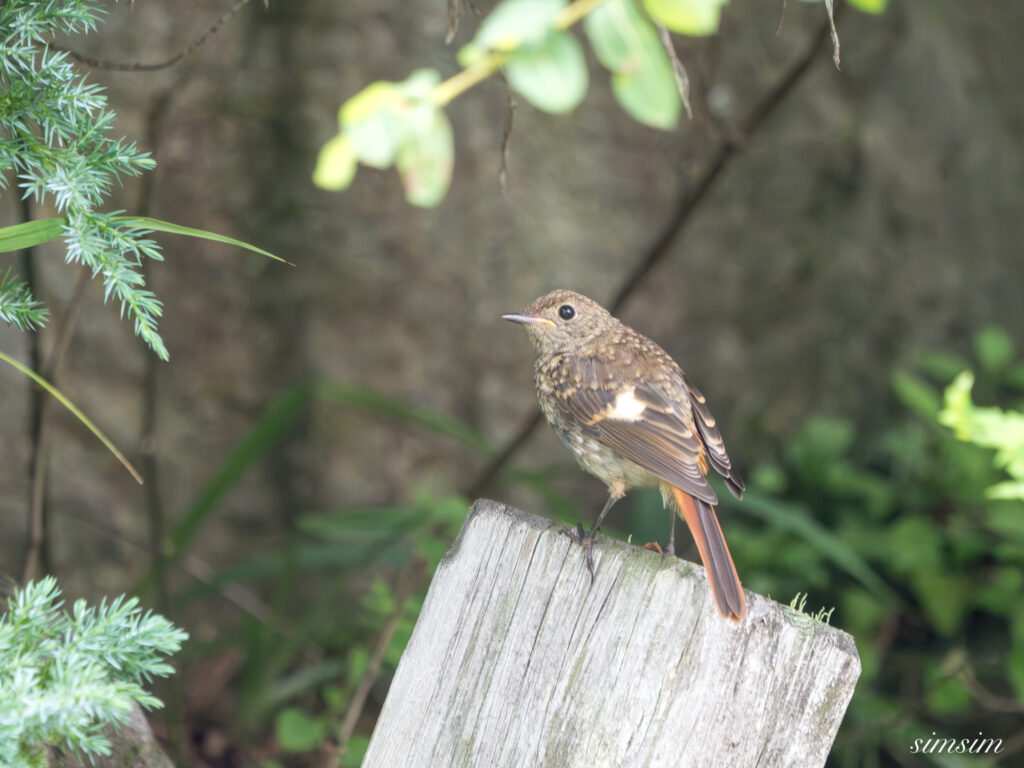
point(796, 519)
point(59, 396)
point(158, 225)
point(18, 237)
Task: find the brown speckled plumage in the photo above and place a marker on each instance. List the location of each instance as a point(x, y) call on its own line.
point(628, 414)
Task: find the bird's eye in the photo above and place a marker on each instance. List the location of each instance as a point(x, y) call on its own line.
point(566, 312)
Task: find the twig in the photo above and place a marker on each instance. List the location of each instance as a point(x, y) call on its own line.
point(660, 248)
point(1011, 746)
point(506, 138)
point(40, 420)
point(37, 431)
point(682, 79)
point(454, 15)
point(199, 570)
point(830, 11)
point(138, 66)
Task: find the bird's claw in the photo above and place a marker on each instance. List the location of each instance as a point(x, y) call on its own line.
point(586, 540)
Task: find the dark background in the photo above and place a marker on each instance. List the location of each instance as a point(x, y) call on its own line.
point(869, 224)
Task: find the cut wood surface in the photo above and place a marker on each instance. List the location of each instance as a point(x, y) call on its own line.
point(519, 660)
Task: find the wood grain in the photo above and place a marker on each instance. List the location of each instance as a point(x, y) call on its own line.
point(519, 660)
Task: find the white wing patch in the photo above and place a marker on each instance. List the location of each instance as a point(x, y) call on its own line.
point(626, 406)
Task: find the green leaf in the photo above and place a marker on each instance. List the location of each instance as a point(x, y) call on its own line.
point(994, 348)
point(32, 233)
point(271, 425)
point(428, 418)
point(1015, 668)
point(914, 393)
point(372, 122)
point(690, 17)
point(551, 75)
point(426, 157)
point(355, 751)
point(373, 98)
point(870, 6)
point(798, 521)
point(943, 598)
point(947, 695)
point(514, 23)
point(1011, 489)
point(385, 120)
point(1006, 521)
point(177, 229)
point(370, 525)
point(956, 414)
point(914, 546)
point(59, 396)
point(420, 84)
point(298, 732)
point(642, 77)
point(336, 164)
point(943, 366)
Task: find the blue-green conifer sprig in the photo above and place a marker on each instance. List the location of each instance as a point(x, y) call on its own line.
point(20, 308)
point(54, 128)
point(65, 677)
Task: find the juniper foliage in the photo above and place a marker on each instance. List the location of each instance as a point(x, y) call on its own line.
point(54, 139)
point(65, 677)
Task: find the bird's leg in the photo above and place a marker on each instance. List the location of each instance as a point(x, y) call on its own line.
point(671, 548)
point(586, 540)
point(612, 498)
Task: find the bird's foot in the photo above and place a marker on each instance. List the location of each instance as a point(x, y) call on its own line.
point(654, 546)
point(586, 540)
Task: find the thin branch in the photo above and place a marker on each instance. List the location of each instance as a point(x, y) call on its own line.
point(454, 15)
point(661, 247)
point(1011, 746)
point(138, 66)
point(830, 11)
point(506, 138)
point(682, 79)
point(37, 431)
point(234, 594)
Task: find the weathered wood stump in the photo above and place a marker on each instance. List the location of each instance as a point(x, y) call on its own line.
point(519, 660)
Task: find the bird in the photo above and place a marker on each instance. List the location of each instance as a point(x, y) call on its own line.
point(632, 419)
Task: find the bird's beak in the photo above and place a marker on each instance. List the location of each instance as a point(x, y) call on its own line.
point(527, 319)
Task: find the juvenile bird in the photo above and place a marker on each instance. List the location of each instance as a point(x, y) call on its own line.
point(627, 412)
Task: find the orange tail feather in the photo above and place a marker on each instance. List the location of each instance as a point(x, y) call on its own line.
point(725, 584)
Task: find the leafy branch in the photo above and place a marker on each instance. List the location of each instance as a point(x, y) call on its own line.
point(17, 305)
point(990, 428)
point(404, 124)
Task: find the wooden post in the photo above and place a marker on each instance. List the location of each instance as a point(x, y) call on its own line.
point(519, 660)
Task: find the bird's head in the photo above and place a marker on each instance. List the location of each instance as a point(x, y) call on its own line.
point(562, 320)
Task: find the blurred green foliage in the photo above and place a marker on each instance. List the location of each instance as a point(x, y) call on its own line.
point(898, 531)
point(890, 536)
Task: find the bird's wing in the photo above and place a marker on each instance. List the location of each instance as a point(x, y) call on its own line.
point(639, 422)
point(712, 438)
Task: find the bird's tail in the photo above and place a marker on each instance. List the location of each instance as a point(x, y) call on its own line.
point(722, 577)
